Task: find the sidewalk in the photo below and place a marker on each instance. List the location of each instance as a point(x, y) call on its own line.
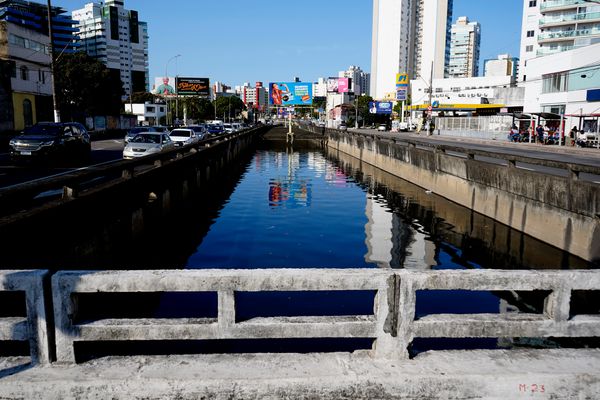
point(476, 374)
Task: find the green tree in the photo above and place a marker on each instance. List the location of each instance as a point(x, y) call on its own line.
point(363, 110)
point(85, 87)
point(198, 108)
point(142, 97)
point(227, 105)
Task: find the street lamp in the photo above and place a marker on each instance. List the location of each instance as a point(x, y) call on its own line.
point(166, 76)
point(53, 64)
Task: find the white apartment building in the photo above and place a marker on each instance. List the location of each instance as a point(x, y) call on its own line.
point(464, 49)
point(361, 80)
point(554, 26)
point(320, 88)
point(567, 83)
point(504, 65)
point(116, 37)
point(409, 36)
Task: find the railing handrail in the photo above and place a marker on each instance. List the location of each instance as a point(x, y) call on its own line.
point(393, 324)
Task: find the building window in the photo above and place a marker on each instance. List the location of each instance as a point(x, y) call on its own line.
point(530, 33)
point(41, 76)
point(529, 48)
point(532, 3)
point(24, 73)
point(553, 83)
point(27, 112)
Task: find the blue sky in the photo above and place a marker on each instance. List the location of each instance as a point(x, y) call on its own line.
point(236, 41)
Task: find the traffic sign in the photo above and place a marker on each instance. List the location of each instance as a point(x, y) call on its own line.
point(401, 94)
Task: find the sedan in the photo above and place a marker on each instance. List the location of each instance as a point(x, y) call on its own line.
point(185, 136)
point(382, 128)
point(145, 144)
point(137, 130)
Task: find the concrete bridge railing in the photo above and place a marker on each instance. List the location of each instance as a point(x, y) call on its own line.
point(393, 324)
point(33, 327)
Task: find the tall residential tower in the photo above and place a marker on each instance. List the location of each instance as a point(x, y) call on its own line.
point(464, 49)
point(409, 36)
point(116, 37)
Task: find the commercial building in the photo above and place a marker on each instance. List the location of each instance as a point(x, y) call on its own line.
point(360, 80)
point(320, 88)
point(555, 26)
point(504, 65)
point(566, 84)
point(26, 91)
point(116, 37)
point(148, 114)
point(34, 16)
point(410, 36)
point(464, 49)
point(255, 98)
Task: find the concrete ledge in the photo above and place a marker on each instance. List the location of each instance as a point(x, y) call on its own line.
point(494, 374)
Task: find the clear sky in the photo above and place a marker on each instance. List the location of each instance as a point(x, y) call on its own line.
point(236, 41)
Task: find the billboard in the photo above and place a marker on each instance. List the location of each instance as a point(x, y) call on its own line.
point(402, 80)
point(338, 85)
point(164, 86)
point(290, 93)
point(193, 86)
point(381, 107)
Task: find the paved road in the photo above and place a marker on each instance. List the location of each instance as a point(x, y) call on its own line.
point(102, 152)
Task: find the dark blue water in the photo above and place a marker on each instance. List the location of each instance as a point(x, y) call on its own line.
point(292, 211)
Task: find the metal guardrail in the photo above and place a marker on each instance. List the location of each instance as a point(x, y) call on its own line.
point(73, 184)
point(33, 327)
point(392, 325)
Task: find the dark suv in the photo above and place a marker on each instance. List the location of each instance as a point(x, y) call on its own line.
point(52, 141)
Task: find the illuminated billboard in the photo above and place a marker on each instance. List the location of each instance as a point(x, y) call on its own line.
point(164, 86)
point(290, 93)
point(193, 86)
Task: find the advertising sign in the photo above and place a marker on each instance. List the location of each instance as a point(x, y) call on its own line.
point(193, 86)
point(343, 85)
point(338, 85)
point(164, 86)
point(402, 80)
point(290, 93)
point(381, 107)
point(401, 94)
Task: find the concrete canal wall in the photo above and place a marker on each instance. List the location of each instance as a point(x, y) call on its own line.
point(563, 212)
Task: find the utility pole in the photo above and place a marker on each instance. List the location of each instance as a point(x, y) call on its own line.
point(52, 64)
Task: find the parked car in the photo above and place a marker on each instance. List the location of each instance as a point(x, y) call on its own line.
point(382, 128)
point(48, 141)
point(147, 143)
point(140, 129)
point(215, 129)
point(343, 127)
point(184, 136)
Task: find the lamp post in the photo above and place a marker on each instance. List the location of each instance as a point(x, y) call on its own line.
point(53, 64)
point(166, 76)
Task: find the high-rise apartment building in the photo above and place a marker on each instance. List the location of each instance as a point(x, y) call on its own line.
point(464, 49)
point(553, 26)
point(361, 80)
point(411, 36)
point(34, 17)
point(116, 37)
point(256, 98)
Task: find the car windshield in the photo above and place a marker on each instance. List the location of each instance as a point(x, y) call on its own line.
point(135, 131)
point(197, 129)
point(50, 130)
point(180, 133)
point(146, 138)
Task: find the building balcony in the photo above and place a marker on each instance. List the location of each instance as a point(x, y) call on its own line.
point(570, 19)
point(545, 51)
point(562, 35)
point(560, 4)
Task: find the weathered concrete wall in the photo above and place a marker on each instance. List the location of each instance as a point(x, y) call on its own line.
point(560, 211)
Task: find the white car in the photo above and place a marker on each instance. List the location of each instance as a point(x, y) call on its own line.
point(185, 136)
point(145, 144)
point(228, 128)
point(382, 128)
